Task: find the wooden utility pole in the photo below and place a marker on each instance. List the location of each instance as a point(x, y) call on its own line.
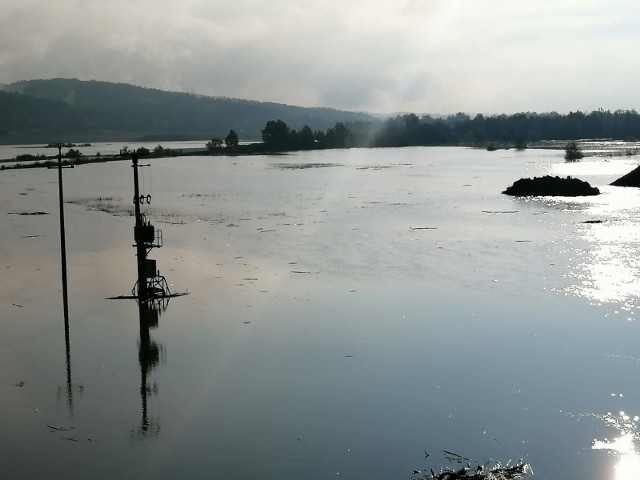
point(65, 295)
point(63, 243)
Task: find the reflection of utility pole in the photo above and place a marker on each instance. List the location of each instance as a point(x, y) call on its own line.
point(67, 350)
point(69, 383)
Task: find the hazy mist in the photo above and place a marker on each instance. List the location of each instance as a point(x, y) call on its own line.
point(377, 55)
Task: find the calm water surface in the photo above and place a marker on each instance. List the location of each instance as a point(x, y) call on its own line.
point(347, 311)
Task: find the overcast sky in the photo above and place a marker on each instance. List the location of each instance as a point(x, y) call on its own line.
point(435, 56)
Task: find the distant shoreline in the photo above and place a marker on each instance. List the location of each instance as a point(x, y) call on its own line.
point(260, 148)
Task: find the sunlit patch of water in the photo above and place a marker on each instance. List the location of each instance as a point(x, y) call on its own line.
point(601, 249)
point(599, 148)
point(607, 270)
point(622, 446)
point(593, 168)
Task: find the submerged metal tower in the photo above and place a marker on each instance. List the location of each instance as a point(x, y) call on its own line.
point(150, 283)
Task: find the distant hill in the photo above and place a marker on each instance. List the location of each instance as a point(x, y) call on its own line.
point(74, 110)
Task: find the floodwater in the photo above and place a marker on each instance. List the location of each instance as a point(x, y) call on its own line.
point(348, 312)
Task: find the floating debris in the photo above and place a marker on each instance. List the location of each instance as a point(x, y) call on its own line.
point(302, 166)
point(423, 228)
point(198, 195)
point(484, 471)
point(28, 213)
point(375, 167)
point(497, 472)
point(60, 429)
point(454, 456)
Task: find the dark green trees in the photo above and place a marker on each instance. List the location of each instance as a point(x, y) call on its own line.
point(277, 135)
point(75, 154)
point(231, 140)
point(306, 139)
point(338, 137)
point(213, 144)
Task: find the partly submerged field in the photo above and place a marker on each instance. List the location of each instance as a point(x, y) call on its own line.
point(348, 311)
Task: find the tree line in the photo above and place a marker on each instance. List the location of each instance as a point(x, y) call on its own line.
point(459, 129)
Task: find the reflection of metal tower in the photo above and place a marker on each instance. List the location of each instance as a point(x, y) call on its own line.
point(150, 283)
point(149, 353)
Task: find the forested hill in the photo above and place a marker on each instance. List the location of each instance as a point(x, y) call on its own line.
point(70, 110)
point(75, 110)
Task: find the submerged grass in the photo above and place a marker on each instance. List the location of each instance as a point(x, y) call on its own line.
point(112, 205)
point(462, 469)
point(303, 166)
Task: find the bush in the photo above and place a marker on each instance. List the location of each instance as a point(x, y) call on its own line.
point(572, 152)
point(521, 144)
point(25, 157)
point(73, 153)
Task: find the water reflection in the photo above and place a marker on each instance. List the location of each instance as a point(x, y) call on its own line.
point(68, 388)
point(149, 355)
point(608, 270)
point(603, 249)
point(67, 344)
point(623, 446)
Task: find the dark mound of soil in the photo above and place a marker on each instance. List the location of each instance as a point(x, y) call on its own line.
point(551, 186)
point(631, 179)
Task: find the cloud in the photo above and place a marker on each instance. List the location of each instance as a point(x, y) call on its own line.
point(377, 55)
